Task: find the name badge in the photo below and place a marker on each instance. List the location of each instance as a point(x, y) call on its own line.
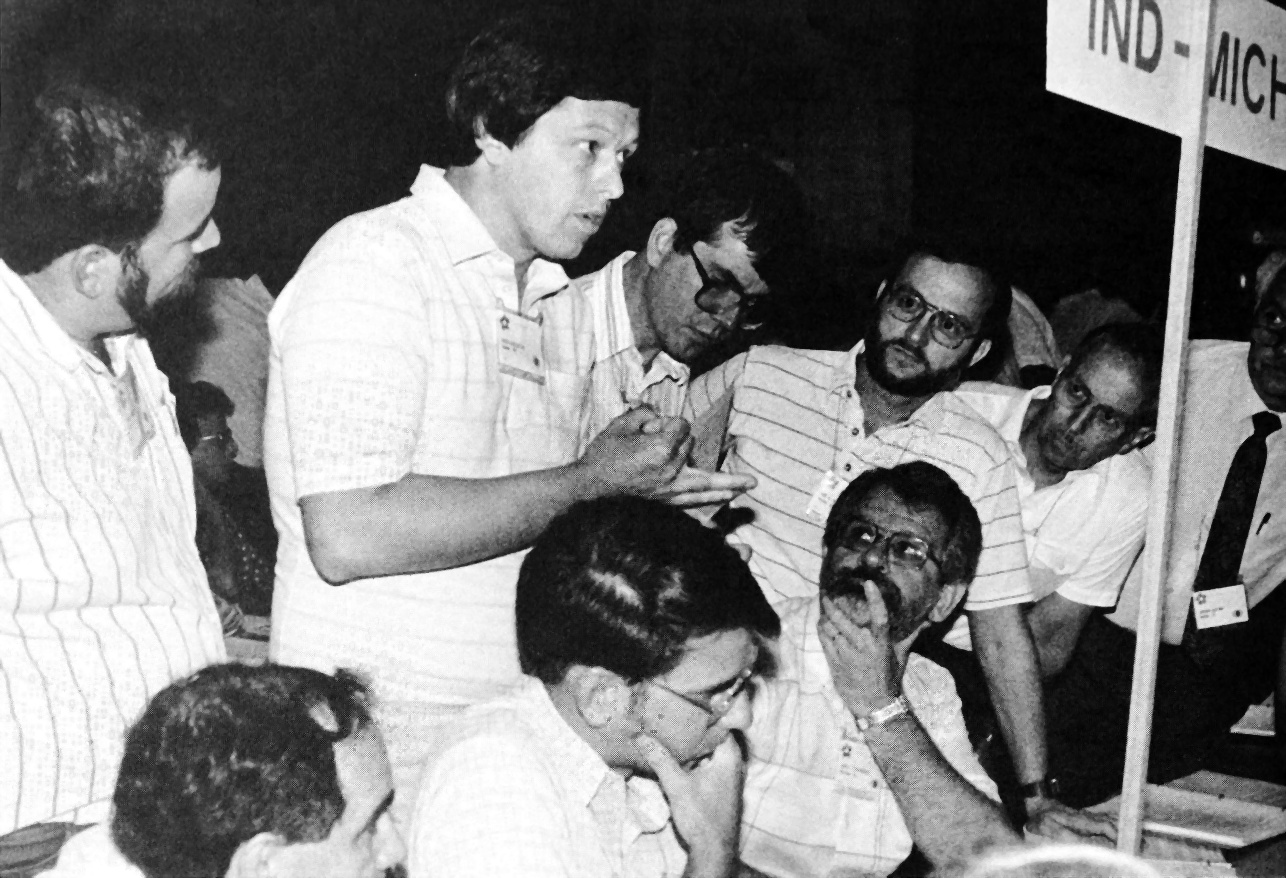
point(824, 496)
point(1215, 607)
point(139, 428)
point(520, 350)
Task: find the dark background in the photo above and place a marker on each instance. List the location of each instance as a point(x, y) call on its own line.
point(898, 119)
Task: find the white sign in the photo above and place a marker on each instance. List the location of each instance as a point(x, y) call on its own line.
point(1128, 57)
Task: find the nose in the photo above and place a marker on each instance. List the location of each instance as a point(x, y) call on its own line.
point(613, 185)
point(739, 716)
point(1080, 421)
point(209, 239)
point(232, 447)
point(919, 331)
point(392, 850)
point(876, 554)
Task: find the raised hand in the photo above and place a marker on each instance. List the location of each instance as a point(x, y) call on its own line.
point(705, 803)
point(866, 666)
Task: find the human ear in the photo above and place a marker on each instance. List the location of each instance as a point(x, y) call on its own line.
point(256, 858)
point(600, 695)
point(95, 271)
point(951, 594)
point(492, 149)
point(660, 243)
point(981, 351)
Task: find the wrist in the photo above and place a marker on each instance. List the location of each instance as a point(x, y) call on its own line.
point(1045, 789)
point(883, 711)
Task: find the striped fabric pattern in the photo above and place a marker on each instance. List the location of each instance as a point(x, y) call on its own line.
point(793, 415)
point(103, 599)
point(617, 379)
point(384, 362)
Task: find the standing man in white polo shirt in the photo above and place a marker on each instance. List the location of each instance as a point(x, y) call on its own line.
point(423, 408)
point(727, 223)
point(806, 423)
point(103, 599)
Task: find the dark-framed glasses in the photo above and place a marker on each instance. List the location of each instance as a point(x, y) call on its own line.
point(718, 297)
point(223, 438)
point(903, 549)
point(716, 704)
point(906, 305)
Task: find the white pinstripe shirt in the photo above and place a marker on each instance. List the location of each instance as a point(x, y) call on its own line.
point(384, 362)
point(103, 599)
point(793, 415)
point(617, 379)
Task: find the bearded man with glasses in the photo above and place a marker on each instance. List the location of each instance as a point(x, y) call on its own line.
point(726, 223)
point(805, 423)
point(858, 747)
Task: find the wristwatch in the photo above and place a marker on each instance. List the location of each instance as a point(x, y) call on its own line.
point(880, 716)
point(1046, 787)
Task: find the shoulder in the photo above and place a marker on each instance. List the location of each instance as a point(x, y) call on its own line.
point(994, 402)
point(963, 422)
point(1212, 357)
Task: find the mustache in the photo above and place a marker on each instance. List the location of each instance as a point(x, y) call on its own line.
point(848, 583)
point(910, 351)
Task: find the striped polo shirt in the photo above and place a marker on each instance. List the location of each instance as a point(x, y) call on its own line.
point(617, 380)
point(103, 599)
point(792, 416)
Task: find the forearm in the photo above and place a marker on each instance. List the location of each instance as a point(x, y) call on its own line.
point(1056, 624)
point(1003, 643)
point(421, 522)
point(949, 820)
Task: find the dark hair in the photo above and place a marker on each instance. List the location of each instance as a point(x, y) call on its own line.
point(227, 753)
point(920, 486)
point(1143, 344)
point(734, 184)
point(624, 584)
point(521, 68)
point(94, 172)
point(995, 322)
point(195, 400)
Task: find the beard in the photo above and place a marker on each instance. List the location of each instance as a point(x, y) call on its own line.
point(847, 584)
point(927, 383)
point(149, 317)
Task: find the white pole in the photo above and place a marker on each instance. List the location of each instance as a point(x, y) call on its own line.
point(1151, 601)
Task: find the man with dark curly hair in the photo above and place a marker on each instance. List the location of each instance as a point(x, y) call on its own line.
point(243, 771)
point(101, 587)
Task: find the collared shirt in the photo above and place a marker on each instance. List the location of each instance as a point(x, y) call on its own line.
point(793, 416)
point(511, 789)
point(1217, 409)
point(103, 599)
point(1084, 532)
point(385, 361)
point(816, 802)
point(92, 854)
point(617, 381)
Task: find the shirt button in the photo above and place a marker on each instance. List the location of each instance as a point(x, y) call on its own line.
point(848, 467)
point(856, 431)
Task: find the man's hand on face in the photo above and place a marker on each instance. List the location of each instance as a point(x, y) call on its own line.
point(705, 803)
point(644, 454)
point(865, 664)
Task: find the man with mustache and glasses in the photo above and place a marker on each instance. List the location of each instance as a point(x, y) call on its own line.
point(858, 748)
point(423, 409)
point(1225, 609)
point(103, 599)
point(728, 222)
point(805, 423)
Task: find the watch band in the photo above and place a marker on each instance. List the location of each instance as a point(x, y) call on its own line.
point(1046, 787)
point(880, 716)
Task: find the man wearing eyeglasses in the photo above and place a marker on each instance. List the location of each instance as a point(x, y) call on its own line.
point(726, 217)
point(1225, 610)
point(807, 422)
point(858, 748)
point(640, 631)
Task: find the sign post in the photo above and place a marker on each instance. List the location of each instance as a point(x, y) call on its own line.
point(1214, 76)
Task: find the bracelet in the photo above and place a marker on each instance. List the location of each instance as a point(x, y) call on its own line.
point(1046, 788)
point(880, 716)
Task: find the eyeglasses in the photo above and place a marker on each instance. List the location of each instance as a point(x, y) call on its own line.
point(718, 704)
point(904, 549)
point(906, 305)
point(727, 296)
point(223, 438)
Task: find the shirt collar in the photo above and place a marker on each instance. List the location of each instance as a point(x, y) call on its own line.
point(844, 377)
point(51, 337)
point(612, 324)
point(466, 238)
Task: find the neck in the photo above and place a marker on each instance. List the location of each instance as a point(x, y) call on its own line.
point(564, 701)
point(477, 187)
point(634, 277)
point(54, 293)
point(881, 407)
point(1040, 472)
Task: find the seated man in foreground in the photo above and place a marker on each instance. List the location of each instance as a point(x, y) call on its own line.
point(639, 631)
point(858, 748)
point(243, 772)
